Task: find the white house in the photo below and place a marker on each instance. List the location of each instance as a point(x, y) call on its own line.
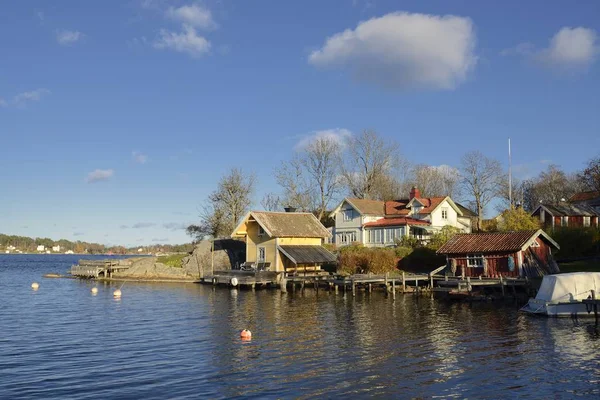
point(41, 248)
point(377, 223)
point(56, 248)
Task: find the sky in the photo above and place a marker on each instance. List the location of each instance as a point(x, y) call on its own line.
point(117, 118)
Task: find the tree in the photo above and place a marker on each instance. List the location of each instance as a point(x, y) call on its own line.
point(271, 202)
point(517, 194)
point(550, 187)
point(311, 180)
point(480, 179)
point(436, 181)
point(590, 176)
point(226, 206)
point(517, 219)
point(368, 162)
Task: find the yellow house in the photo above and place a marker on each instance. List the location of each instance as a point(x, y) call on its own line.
point(280, 241)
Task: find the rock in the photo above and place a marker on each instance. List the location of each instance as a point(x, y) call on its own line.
point(228, 253)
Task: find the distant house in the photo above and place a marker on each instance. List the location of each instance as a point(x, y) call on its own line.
point(283, 241)
point(56, 248)
point(590, 198)
point(376, 223)
point(69, 252)
point(41, 248)
point(514, 254)
point(566, 215)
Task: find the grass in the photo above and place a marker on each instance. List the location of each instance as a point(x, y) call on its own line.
point(592, 265)
point(174, 260)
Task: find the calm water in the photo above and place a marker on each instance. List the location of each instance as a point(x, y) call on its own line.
point(181, 341)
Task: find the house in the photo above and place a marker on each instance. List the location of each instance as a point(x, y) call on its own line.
point(283, 241)
point(514, 254)
point(56, 248)
point(589, 198)
point(376, 223)
point(566, 215)
point(41, 248)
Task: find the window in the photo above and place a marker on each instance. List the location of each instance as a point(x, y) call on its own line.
point(475, 261)
point(376, 235)
point(262, 254)
point(564, 221)
point(261, 231)
point(535, 244)
point(444, 213)
point(416, 209)
point(347, 215)
point(347, 237)
point(586, 221)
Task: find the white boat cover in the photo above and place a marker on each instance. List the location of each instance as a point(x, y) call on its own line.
point(569, 287)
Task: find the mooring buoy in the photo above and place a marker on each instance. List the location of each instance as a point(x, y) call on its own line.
point(117, 293)
point(35, 286)
point(246, 334)
point(94, 290)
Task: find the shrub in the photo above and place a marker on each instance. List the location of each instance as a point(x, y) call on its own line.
point(358, 259)
point(438, 239)
point(423, 259)
point(577, 242)
point(517, 219)
point(173, 260)
point(403, 251)
point(408, 241)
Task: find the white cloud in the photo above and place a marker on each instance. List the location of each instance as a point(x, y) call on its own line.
point(66, 38)
point(139, 157)
point(401, 50)
point(193, 15)
point(175, 226)
point(99, 175)
point(339, 135)
point(34, 95)
point(571, 48)
point(3, 102)
point(187, 41)
point(143, 225)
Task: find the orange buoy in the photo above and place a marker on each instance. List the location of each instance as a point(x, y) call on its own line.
point(246, 334)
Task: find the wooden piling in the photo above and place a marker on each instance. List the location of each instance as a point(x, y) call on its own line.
point(403, 283)
point(394, 288)
point(595, 307)
point(353, 288)
point(502, 285)
point(283, 285)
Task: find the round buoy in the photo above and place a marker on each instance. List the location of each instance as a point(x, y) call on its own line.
point(234, 281)
point(117, 293)
point(35, 286)
point(246, 334)
point(94, 290)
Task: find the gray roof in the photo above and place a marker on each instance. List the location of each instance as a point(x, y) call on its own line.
point(571, 210)
point(308, 254)
point(292, 224)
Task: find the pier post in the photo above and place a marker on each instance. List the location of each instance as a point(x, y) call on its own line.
point(336, 287)
point(394, 288)
point(502, 285)
point(595, 307)
point(403, 283)
point(353, 288)
point(469, 287)
point(283, 284)
point(370, 288)
point(431, 281)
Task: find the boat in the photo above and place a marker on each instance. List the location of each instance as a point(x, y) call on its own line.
point(565, 295)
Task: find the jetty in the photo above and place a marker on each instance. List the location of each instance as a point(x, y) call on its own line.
point(99, 268)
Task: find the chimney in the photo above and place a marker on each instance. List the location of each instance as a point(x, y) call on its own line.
point(414, 192)
point(290, 209)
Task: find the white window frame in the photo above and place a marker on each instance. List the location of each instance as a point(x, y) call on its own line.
point(535, 244)
point(261, 231)
point(347, 215)
point(347, 237)
point(260, 249)
point(445, 213)
point(586, 221)
point(475, 261)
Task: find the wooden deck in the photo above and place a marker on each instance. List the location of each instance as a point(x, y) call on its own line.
point(98, 268)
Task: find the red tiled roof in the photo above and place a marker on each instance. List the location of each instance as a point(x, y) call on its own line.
point(398, 207)
point(486, 242)
point(395, 222)
point(583, 196)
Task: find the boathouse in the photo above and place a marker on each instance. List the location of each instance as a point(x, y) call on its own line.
point(283, 241)
point(507, 254)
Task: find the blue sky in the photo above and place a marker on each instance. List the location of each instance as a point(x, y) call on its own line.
point(117, 118)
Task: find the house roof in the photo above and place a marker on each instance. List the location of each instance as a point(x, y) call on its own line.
point(398, 221)
point(285, 224)
point(493, 242)
point(585, 196)
point(466, 212)
point(401, 207)
point(364, 206)
point(307, 254)
point(569, 210)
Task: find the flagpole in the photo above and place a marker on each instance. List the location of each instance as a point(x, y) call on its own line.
point(509, 177)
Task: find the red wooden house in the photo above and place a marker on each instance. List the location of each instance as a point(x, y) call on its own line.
point(512, 254)
point(566, 215)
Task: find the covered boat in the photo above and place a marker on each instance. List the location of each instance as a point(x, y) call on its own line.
point(562, 295)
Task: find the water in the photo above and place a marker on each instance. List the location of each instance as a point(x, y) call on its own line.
point(181, 341)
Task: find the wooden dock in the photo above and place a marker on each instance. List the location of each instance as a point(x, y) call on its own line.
point(98, 268)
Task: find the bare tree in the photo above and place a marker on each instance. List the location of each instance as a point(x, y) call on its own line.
point(271, 202)
point(436, 181)
point(295, 184)
point(225, 206)
point(311, 180)
point(321, 162)
point(368, 160)
point(517, 194)
point(590, 176)
point(550, 187)
point(480, 179)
